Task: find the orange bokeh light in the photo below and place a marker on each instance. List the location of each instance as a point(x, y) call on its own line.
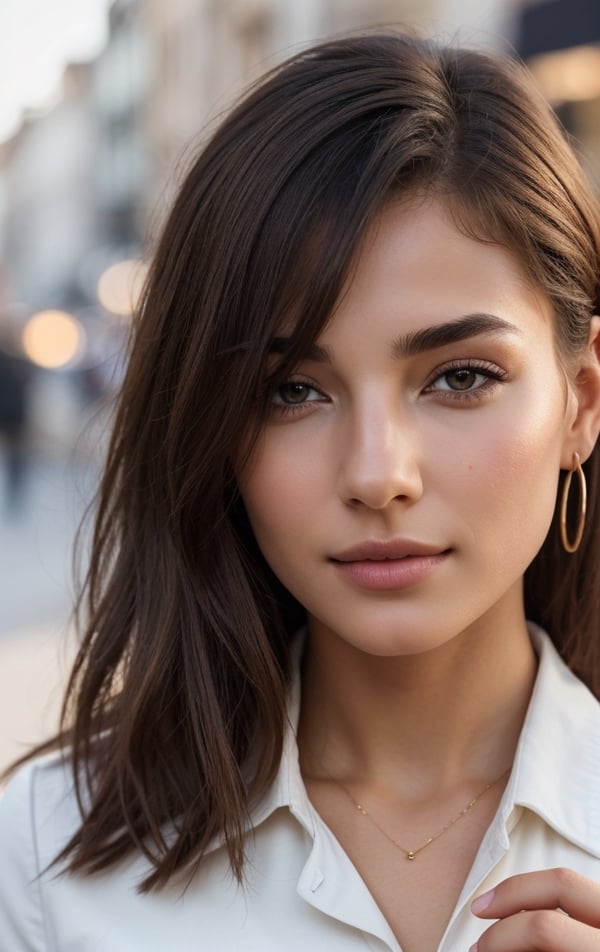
point(52, 339)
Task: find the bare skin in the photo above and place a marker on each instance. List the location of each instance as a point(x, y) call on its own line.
point(413, 780)
point(417, 898)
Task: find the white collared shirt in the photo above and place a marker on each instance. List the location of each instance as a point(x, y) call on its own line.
point(301, 892)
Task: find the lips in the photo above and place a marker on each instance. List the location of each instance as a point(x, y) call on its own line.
point(386, 550)
point(390, 565)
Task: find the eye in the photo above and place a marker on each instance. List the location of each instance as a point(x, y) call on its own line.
point(295, 393)
point(465, 378)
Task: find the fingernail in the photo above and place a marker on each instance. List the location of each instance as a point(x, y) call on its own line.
point(482, 902)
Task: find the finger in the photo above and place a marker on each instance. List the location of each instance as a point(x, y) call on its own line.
point(549, 889)
point(545, 930)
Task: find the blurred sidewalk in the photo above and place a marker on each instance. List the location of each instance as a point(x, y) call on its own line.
point(36, 598)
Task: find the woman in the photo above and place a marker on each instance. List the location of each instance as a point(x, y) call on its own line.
point(348, 463)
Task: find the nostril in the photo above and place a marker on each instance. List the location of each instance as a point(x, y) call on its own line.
point(377, 500)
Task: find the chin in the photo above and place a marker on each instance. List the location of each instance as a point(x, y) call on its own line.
point(387, 639)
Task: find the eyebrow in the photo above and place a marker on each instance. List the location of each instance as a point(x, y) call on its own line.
point(451, 332)
point(416, 342)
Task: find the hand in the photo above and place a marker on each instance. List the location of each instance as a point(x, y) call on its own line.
point(553, 910)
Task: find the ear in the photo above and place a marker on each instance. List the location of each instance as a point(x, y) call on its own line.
point(585, 393)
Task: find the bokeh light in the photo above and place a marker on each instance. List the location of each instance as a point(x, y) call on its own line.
point(120, 286)
point(571, 75)
point(52, 339)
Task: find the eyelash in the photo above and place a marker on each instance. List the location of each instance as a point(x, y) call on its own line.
point(493, 374)
point(490, 371)
point(284, 409)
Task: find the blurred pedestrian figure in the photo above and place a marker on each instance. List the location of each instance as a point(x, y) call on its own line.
point(15, 379)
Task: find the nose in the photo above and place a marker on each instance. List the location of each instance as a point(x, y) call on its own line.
point(380, 460)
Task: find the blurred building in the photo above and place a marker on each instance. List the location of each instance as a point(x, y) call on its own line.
point(560, 42)
point(205, 52)
point(47, 173)
point(123, 77)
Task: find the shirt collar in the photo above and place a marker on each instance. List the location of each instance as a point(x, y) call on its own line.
point(288, 789)
point(556, 770)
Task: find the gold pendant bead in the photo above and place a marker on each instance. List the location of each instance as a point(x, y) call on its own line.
point(412, 854)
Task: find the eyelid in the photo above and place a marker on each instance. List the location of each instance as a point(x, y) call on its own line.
point(291, 379)
point(477, 364)
point(299, 378)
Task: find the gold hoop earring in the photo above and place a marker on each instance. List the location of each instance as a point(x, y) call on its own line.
point(569, 546)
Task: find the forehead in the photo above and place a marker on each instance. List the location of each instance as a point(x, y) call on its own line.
point(420, 267)
point(418, 263)
point(425, 230)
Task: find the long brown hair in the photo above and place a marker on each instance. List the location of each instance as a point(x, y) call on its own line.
point(175, 710)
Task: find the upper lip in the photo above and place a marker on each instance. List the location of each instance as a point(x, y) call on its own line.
point(379, 550)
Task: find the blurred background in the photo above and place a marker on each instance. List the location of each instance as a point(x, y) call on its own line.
point(100, 104)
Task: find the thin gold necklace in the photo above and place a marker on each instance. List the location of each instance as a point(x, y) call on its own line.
point(411, 854)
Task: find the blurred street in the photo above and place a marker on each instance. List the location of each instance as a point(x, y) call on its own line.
point(36, 596)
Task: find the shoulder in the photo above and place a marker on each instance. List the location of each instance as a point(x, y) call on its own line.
point(38, 814)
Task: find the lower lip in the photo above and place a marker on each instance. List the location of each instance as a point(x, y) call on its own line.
point(391, 574)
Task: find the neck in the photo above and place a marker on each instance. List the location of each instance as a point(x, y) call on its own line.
point(418, 723)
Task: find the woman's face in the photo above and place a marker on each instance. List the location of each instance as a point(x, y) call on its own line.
point(408, 472)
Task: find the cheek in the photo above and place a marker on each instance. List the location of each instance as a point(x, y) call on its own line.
point(509, 474)
point(279, 489)
point(528, 446)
